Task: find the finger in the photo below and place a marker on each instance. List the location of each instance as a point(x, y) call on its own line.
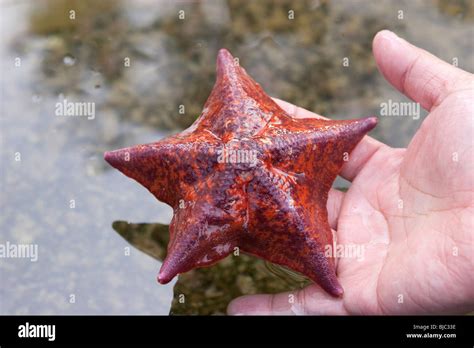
point(310, 300)
point(366, 148)
point(296, 111)
point(416, 73)
point(333, 205)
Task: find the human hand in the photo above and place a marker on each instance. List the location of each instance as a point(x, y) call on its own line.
point(410, 210)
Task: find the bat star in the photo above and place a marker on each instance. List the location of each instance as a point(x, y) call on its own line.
point(247, 175)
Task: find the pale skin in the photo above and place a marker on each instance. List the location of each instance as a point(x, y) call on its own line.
point(410, 210)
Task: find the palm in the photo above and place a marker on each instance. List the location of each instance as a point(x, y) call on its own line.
point(409, 211)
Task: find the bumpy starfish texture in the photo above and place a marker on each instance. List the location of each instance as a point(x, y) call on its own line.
point(246, 175)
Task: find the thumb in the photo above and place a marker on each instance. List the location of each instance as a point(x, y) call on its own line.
point(310, 300)
point(416, 73)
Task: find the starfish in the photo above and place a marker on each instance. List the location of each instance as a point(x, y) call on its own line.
point(246, 176)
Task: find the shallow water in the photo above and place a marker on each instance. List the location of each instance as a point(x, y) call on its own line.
point(56, 190)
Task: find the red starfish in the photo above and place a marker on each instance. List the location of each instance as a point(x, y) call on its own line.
point(246, 175)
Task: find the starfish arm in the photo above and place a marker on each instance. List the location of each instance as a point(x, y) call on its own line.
point(289, 227)
point(237, 106)
point(315, 147)
point(167, 166)
point(205, 228)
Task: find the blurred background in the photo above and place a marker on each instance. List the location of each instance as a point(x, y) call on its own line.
point(142, 62)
